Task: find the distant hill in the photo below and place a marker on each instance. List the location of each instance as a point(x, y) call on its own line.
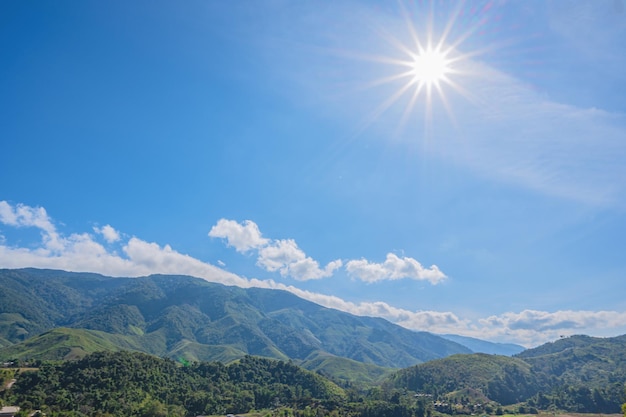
point(578, 374)
point(190, 318)
point(483, 346)
point(499, 378)
point(581, 360)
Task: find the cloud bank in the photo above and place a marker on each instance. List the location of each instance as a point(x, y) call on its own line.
point(85, 252)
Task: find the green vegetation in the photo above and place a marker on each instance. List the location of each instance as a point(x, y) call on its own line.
point(576, 374)
point(346, 371)
point(6, 375)
point(64, 344)
point(99, 342)
point(136, 384)
point(470, 383)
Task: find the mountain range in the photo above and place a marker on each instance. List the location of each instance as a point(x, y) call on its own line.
point(48, 314)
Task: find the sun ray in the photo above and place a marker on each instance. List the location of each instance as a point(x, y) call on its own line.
point(409, 109)
point(434, 58)
point(387, 80)
point(384, 106)
point(450, 24)
point(410, 27)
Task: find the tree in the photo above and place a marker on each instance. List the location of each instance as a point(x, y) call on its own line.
point(154, 408)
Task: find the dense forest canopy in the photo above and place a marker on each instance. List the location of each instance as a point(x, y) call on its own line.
point(125, 383)
point(137, 384)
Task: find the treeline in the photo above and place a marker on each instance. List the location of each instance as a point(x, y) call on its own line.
point(139, 385)
point(136, 384)
point(581, 399)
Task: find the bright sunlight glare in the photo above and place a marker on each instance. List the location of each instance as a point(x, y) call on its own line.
point(430, 66)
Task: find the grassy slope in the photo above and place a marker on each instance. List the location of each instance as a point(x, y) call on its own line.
point(63, 343)
point(342, 369)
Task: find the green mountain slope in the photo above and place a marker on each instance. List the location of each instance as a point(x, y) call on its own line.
point(347, 371)
point(500, 378)
point(63, 343)
point(579, 374)
point(581, 360)
point(586, 373)
point(191, 318)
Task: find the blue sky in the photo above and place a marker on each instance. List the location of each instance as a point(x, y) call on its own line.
point(288, 144)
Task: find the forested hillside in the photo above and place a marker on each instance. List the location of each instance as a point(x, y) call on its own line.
point(501, 379)
point(140, 385)
point(586, 373)
point(578, 374)
point(131, 384)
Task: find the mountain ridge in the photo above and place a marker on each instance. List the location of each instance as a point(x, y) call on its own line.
point(181, 315)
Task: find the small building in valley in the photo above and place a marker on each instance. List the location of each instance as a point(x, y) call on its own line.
point(8, 411)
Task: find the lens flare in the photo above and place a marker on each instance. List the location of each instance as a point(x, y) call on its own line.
point(429, 62)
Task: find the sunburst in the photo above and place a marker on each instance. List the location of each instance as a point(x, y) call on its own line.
point(429, 63)
point(429, 67)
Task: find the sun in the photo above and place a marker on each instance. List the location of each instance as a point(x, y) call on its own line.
point(429, 67)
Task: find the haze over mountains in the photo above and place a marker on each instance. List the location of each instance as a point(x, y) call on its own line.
point(483, 346)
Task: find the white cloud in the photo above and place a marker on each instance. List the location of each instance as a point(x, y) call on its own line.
point(243, 237)
point(307, 268)
point(533, 327)
point(394, 268)
point(286, 257)
point(26, 216)
point(279, 254)
point(431, 321)
point(81, 252)
point(109, 233)
point(282, 255)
